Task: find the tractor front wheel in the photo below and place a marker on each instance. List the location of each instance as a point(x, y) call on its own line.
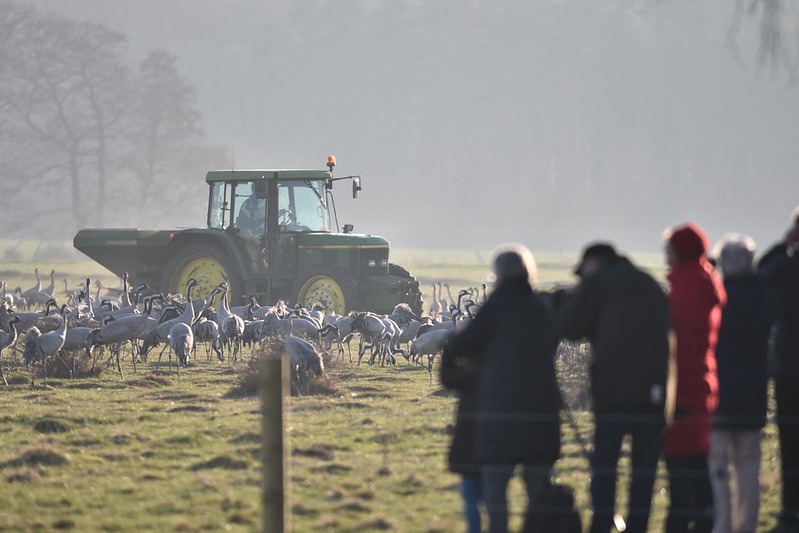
point(208, 265)
point(331, 288)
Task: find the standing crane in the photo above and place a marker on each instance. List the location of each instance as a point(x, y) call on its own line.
point(39, 346)
point(8, 339)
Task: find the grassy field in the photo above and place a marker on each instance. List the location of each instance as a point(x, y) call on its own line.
point(162, 452)
point(158, 452)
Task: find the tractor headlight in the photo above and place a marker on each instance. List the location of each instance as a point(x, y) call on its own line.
point(384, 263)
point(371, 263)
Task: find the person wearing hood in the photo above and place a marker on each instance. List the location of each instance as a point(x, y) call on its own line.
point(696, 298)
point(779, 270)
point(512, 343)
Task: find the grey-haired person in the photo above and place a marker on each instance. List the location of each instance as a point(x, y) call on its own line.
point(742, 367)
point(512, 341)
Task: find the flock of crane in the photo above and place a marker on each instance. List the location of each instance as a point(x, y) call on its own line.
point(136, 321)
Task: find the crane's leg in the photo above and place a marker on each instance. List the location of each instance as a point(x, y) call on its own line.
point(116, 350)
point(133, 356)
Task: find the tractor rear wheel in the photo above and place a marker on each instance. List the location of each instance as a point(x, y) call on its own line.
point(414, 295)
point(331, 288)
point(208, 265)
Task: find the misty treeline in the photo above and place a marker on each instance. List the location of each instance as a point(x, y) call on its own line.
point(548, 122)
point(472, 121)
point(87, 136)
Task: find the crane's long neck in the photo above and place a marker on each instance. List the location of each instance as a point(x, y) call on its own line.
point(223, 303)
point(220, 307)
point(125, 294)
point(189, 290)
point(88, 295)
point(14, 332)
point(62, 331)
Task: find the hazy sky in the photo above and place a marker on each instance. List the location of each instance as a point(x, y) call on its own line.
point(477, 122)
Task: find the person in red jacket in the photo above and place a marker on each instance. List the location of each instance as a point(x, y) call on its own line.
point(696, 298)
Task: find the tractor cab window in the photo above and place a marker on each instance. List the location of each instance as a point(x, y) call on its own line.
point(249, 212)
point(218, 205)
point(302, 206)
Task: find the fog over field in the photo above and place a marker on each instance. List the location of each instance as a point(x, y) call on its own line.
point(475, 122)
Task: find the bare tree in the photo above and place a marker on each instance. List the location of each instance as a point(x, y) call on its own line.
point(60, 95)
point(166, 123)
point(779, 33)
point(76, 122)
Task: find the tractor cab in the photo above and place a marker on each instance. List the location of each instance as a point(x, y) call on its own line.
point(284, 220)
point(252, 202)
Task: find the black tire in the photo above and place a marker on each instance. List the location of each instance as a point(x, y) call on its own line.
point(206, 263)
point(330, 287)
point(414, 294)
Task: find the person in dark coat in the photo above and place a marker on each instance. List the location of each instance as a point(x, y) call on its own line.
point(513, 342)
point(696, 298)
point(779, 269)
point(742, 360)
point(624, 313)
point(460, 374)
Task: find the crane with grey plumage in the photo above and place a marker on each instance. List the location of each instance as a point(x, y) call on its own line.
point(39, 346)
point(8, 338)
point(303, 358)
point(181, 340)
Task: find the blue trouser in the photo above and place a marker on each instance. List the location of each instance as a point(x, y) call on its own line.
point(646, 432)
point(472, 495)
point(494, 480)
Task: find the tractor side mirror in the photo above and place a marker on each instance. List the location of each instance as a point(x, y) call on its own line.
point(348, 228)
point(356, 186)
point(260, 188)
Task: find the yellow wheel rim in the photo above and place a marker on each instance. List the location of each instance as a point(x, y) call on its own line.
point(207, 271)
point(324, 291)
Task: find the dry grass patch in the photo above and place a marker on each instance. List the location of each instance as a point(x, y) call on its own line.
point(48, 425)
point(43, 455)
point(24, 475)
point(323, 453)
point(224, 462)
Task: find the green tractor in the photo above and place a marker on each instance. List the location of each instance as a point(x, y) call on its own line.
point(268, 235)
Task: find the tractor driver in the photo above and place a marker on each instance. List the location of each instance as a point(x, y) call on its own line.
point(251, 218)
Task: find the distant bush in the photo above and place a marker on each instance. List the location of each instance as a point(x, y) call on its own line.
point(12, 255)
point(572, 365)
point(54, 252)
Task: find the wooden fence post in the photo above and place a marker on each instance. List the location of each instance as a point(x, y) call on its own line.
point(274, 384)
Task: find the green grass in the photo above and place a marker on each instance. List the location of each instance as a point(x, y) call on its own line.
point(158, 452)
